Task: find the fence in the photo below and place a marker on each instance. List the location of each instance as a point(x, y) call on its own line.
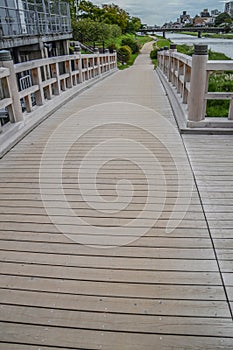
point(28, 85)
point(190, 77)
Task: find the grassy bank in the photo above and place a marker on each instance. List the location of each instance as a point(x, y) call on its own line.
point(159, 43)
point(141, 40)
point(210, 35)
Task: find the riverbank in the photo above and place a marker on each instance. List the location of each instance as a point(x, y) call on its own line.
point(210, 35)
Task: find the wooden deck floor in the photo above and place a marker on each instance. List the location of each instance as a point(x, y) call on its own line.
point(159, 290)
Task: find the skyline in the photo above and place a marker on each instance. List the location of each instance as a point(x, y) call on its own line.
point(168, 11)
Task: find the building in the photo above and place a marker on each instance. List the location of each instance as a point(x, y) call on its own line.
point(184, 18)
point(205, 19)
point(205, 13)
point(229, 8)
point(33, 29)
point(215, 13)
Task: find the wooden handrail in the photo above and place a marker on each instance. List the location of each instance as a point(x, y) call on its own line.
point(49, 77)
point(190, 76)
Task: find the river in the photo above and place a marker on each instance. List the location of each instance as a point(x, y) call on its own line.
point(218, 45)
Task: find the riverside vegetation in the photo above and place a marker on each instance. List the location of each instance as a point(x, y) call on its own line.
point(107, 26)
point(218, 81)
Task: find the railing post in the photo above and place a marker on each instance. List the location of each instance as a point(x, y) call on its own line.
point(106, 51)
point(55, 74)
point(115, 58)
point(163, 60)
point(80, 66)
point(68, 70)
point(196, 98)
point(15, 111)
point(37, 79)
point(230, 115)
point(166, 60)
point(170, 65)
point(98, 60)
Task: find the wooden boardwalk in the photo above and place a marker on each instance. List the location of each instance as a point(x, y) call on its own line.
point(83, 290)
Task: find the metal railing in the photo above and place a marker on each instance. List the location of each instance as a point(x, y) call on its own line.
point(28, 18)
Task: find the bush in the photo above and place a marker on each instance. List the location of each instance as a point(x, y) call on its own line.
point(133, 44)
point(124, 53)
point(112, 47)
point(153, 54)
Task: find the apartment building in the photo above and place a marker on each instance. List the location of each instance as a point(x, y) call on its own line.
point(229, 8)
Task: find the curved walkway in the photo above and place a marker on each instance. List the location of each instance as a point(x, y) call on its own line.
point(106, 241)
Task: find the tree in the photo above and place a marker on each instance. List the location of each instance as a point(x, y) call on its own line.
point(113, 14)
point(88, 30)
point(223, 18)
point(134, 25)
point(86, 9)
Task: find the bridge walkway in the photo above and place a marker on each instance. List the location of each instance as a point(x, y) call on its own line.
point(92, 261)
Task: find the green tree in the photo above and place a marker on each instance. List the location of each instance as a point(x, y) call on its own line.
point(87, 9)
point(113, 14)
point(88, 30)
point(134, 25)
point(223, 18)
point(133, 44)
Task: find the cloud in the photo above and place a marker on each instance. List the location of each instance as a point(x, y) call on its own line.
point(157, 12)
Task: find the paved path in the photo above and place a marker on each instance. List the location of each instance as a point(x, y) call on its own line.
point(92, 261)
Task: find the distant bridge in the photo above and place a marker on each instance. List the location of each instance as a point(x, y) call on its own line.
point(199, 30)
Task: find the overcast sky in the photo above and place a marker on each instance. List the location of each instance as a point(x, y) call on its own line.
point(157, 11)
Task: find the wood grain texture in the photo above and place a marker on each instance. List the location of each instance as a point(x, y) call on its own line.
point(159, 291)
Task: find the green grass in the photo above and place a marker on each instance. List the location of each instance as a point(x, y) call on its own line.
point(219, 82)
point(160, 42)
point(117, 41)
point(210, 35)
point(130, 63)
point(186, 49)
point(218, 56)
point(141, 39)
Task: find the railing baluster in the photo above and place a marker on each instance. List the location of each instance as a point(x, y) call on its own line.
point(32, 84)
point(15, 109)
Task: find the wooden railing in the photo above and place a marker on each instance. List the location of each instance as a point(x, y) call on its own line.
point(25, 86)
point(190, 77)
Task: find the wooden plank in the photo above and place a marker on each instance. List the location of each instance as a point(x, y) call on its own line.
point(73, 339)
point(123, 290)
point(192, 308)
point(105, 218)
point(5, 102)
point(144, 324)
point(109, 259)
point(112, 275)
point(156, 241)
point(11, 346)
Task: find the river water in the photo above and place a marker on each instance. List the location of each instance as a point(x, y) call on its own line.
point(218, 45)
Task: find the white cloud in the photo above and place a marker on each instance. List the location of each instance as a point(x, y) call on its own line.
point(157, 12)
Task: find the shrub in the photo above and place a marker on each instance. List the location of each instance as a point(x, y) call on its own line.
point(153, 54)
point(112, 47)
point(124, 53)
point(133, 44)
